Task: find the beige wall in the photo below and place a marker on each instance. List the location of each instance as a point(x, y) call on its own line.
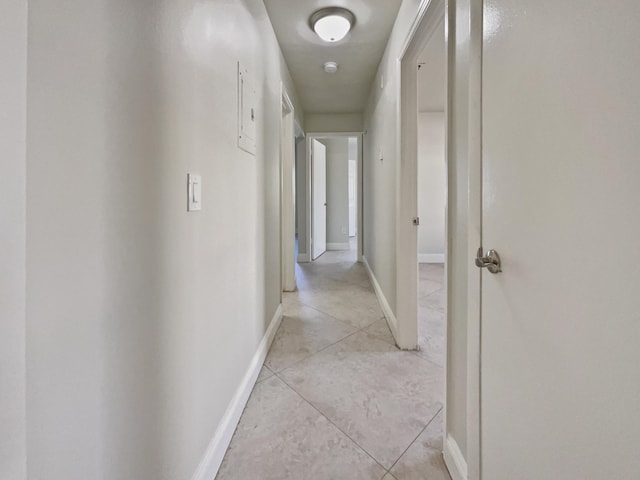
point(143, 318)
point(432, 185)
point(13, 52)
point(380, 194)
point(333, 122)
point(337, 191)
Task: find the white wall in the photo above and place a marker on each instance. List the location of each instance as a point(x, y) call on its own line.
point(431, 186)
point(337, 192)
point(380, 193)
point(13, 52)
point(143, 318)
point(333, 122)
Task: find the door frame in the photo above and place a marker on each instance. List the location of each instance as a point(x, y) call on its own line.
point(474, 232)
point(428, 17)
point(287, 194)
point(319, 136)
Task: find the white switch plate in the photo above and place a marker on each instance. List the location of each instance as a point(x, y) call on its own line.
point(194, 192)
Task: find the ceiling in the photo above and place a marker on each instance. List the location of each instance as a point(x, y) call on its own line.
point(431, 76)
point(357, 55)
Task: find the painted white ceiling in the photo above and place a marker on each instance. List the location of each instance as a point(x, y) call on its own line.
point(357, 55)
point(431, 76)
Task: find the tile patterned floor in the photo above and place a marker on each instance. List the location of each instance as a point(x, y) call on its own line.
point(335, 398)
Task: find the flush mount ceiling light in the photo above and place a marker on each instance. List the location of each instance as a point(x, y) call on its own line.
point(332, 24)
point(330, 67)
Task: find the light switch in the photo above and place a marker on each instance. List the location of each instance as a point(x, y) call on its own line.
point(194, 192)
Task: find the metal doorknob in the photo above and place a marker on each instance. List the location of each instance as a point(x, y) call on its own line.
point(491, 261)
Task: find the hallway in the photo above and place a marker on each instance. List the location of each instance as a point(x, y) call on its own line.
point(335, 398)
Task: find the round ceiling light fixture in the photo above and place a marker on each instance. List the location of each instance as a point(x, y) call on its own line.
point(330, 67)
point(332, 24)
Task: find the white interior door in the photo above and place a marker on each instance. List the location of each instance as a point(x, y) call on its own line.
point(319, 202)
point(560, 376)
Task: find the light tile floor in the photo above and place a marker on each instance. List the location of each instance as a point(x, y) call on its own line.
point(335, 398)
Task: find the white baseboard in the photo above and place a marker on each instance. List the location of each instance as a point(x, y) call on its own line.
point(454, 459)
point(208, 468)
point(338, 246)
point(303, 258)
point(431, 258)
point(382, 300)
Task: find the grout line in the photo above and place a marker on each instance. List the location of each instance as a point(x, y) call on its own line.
point(417, 436)
point(336, 318)
point(312, 354)
point(328, 314)
point(332, 423)
point(339, 280)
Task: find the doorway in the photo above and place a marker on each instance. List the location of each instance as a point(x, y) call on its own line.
point(334, 165)
point(428, 259)
point(432, 183)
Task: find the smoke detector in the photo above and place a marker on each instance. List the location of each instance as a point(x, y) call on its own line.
point(330, 67)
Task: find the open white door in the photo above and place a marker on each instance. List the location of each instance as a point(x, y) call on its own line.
point(319, 202)
point(560, 376)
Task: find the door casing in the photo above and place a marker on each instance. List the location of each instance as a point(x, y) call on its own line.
point(287, 194)
point(318, 136)
point(464, 40)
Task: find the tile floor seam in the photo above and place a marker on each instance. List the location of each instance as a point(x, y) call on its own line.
point(421, 357)
point(333, 316)
point(336, 279)
point(332, 423)
point(379, 337)
point(414, 440)
point(314, 353)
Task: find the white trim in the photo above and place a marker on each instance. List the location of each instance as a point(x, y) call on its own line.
point(287, 193)
point(454, 460)
point(428, 18)
point(303, 258)
point(422, 9)
point(384, 304)
point(431, 258)
point(217, 448)
point(338, 246)
point(473, 29)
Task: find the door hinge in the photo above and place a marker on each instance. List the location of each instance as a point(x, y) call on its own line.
point(416, 221)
